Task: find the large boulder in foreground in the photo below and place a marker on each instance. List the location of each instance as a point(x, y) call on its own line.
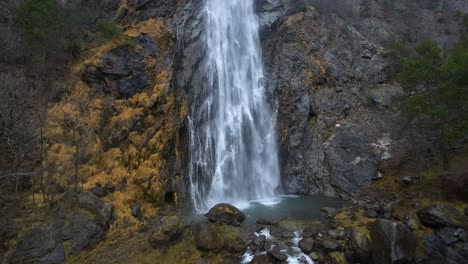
point(226, 214)
point(391, 242)
point(218, 237)
point(168, 229)
point(442, 215)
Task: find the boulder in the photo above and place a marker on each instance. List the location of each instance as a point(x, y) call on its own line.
point(38, 246)
point(441, 215)
point(281, 232)
point(92, 203)
point(360, 245)
point(436, 248)
point(328, 244)
point(167, 229)
point(448, 235)
point(217, 237)
point(83, 232)
point(98, 191)
point(334, 233)
point(307, 245)
point(226, 214)
point(277, 254)
point(263, 259)
point(136, 211)
point(258, 243)
point(391, 242)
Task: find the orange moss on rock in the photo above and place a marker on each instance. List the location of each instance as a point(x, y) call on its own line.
point(122, 142)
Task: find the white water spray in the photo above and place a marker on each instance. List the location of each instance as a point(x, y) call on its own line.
point(233, 147)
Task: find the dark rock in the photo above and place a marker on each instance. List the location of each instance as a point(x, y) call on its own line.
point(167, 229)
point(411, 223)
point(110, 187)
point(436, 248)
point(328, 210)
point(408, 180)
point(306, 245)
point(276, 253)
point(136, 211)
point(225, 213)
point(147, 43)
point(329, 244)
point(57, 256)
point(447, 235)
point(98, 191)
point(466, 211)
point(314, 256)
point(263, 259)
point(281, 232)
point(83, 232)
point(360, 245)
point(441, 215)
point(391, 242)
point(95, 205)
point(258, 243)
point(371, 213)
point(35, 247)
point(218, 237)
point(337, 234)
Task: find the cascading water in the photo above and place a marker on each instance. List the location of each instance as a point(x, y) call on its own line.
point(233, 148)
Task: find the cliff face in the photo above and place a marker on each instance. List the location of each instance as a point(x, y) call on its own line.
point(329, 80)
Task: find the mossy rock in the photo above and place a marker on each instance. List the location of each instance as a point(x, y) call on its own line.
point(226, 214)
point(168, 229)
point(217, 237)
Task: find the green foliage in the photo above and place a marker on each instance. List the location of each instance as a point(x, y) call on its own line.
point(108, 28)
point(436, 86)
point(40, 20)
point(49, 29)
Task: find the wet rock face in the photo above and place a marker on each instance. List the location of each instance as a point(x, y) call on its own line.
point(226, 214)
point(326, 66)
point(441, 215)
point(391, 242)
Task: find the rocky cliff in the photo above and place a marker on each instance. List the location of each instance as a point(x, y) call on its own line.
point(329, 80)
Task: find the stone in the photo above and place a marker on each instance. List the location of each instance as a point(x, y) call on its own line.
point(337, 234)
point(167, 229)
point(83, 232)
point(411, 223)
point(329, 244)
point(92, 203)
point(314, 256)
point(360, 245)
point(466, 211)
point(391, 242)
point(258, 243)
point(225, 213)
point(447, 234)
point(136, 211)
point(98, 191)
point(262, 259)
point(441, 215)
point(281, 232)
point(307, 245)
point(371, 213)
point(277, 254)
point(35, 246)
point(408, 180)
point(217, 237)
point(337, 258)
point(328, 210)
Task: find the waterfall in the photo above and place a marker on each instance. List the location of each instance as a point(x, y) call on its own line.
point(233, 151)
